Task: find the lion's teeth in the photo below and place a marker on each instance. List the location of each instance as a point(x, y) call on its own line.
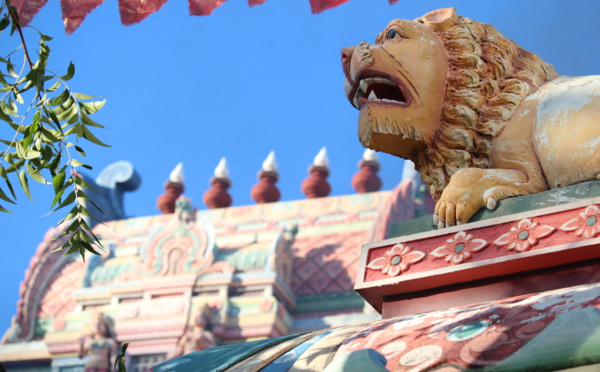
point(364, 85)
point(356, 103)
point(372, 96)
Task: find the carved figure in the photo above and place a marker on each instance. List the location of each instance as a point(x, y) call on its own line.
point(101, 346)
point(195, 338)
point(481, 118)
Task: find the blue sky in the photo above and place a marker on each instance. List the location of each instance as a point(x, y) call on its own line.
point(242, 82)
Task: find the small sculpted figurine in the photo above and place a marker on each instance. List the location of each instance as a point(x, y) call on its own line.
point(481, 118)
point(101, 346)
point(195, 338)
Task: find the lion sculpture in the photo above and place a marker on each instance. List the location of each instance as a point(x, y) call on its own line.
point(481, 118)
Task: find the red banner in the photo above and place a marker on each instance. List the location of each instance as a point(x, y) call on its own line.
point(318, 6)
point(75, 11)
point(204, 7)
point(134, 11)
point(255, 2)
point(27, 9)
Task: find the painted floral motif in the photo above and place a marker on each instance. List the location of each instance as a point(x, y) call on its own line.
point(587, 225)
point(459, 248)
point(397, 260)
point(526, 235)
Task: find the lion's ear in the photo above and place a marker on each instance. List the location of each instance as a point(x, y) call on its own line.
point(440, 20)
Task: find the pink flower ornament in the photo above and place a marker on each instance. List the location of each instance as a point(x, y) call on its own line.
point(587, 225)
point(459, 248)
point(526, 235)
point(397, 260)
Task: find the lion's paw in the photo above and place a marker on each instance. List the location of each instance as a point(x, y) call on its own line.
point(458, 204)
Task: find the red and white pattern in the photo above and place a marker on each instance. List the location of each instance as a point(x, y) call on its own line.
point(459, 248)
point(586, 225)
point(397, 260)
point(525, 235)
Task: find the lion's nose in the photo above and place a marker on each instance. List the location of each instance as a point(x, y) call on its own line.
point(346, 59)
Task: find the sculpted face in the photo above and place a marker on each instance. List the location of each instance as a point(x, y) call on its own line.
point(398, 85)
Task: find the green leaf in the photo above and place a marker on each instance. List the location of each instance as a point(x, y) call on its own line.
point(48, 136)
point(68, 200)
point(56, 199)
point(80, 150)
point(70, 72)
point(77, 163)
point(54, 87)
point(10, 68)
point(10, 188)
point(15, 166)
point(79, 181)
point(24, 183)
point(84, 96)
point(36, 175)
point(91, 107)
point(60, 99)
point(90, 137)
point(68, 114)
point(4, 23)
point(5, 198)
point(86, 120)
point(58, 181)
point(2, 209)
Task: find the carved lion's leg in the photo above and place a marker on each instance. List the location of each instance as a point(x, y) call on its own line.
point(471, 188)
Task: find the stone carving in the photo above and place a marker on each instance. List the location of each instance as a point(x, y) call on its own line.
point(101, 346)
point(108, 191)
point(196, 337)
point(481, 118)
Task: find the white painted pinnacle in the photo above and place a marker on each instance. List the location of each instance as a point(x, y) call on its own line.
point(221, 171)
point(270, 164)
point(321, 159)
point(177, 174)
point(370, 155)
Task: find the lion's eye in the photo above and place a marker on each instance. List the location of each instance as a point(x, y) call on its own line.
point(393, 34)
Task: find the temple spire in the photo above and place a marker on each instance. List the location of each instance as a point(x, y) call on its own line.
point(265, 190)
point(217, 196)
point(316, 184)
point(173, 189)
point(366, 179)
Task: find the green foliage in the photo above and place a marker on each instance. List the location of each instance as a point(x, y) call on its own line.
point(120, 360)
point(47, 120)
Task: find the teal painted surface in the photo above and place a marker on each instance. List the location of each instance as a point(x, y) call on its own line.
point(245, 260)
point(104, 274)
point(358, 361)
point(571, 340)
point(329, 302)
point(287, 360)
point(218, 358)
point(516, 204)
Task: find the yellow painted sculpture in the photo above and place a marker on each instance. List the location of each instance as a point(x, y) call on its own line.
point(481, 118)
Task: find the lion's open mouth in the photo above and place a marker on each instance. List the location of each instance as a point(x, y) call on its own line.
point(378, 89)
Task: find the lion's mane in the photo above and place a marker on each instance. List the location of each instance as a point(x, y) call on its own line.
point(489, 75)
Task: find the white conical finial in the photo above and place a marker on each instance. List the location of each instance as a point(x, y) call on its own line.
point(321, 159)
point(177, 174)
point(270, 165)
point(221, 171)
point(370, 155)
